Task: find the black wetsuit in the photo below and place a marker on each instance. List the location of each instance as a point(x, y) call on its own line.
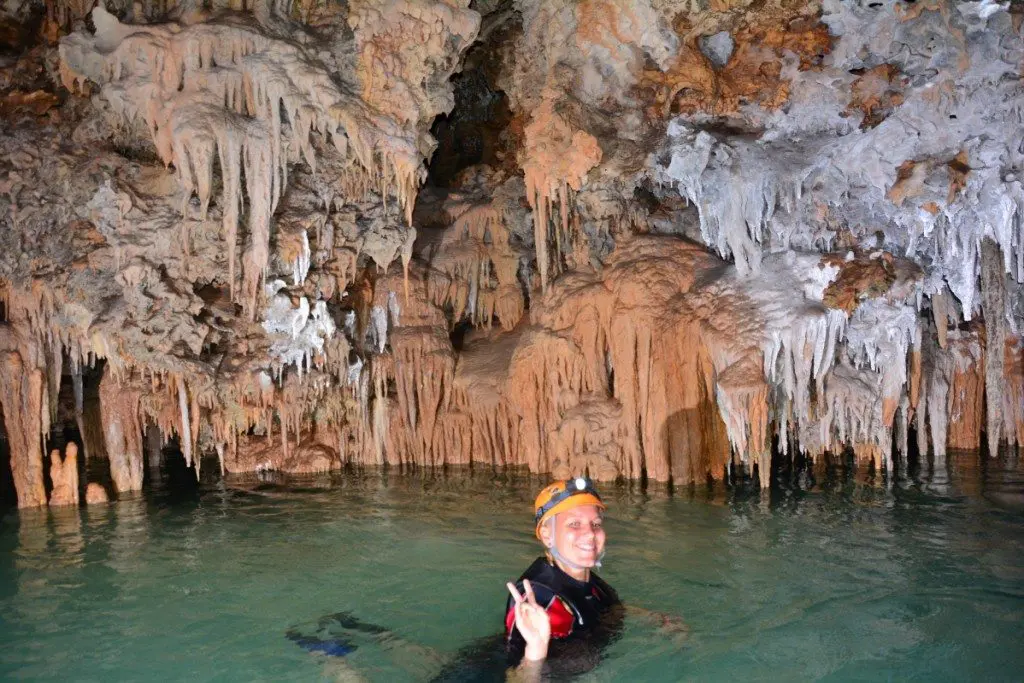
point(584, 615)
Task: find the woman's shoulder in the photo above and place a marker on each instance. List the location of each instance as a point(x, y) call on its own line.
point(543, 580)
point(603, 586)
point(540, 568)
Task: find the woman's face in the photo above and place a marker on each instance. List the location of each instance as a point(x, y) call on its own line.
point(579, 535)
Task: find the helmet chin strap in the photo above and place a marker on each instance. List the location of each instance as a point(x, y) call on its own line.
point(561, 559)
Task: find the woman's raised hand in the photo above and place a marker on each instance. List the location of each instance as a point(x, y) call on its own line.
point(532, 622)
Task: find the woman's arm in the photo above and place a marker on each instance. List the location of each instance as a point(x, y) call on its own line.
point(667, 624)
point(528, 671)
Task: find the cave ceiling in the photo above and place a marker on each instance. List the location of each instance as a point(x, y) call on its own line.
point(635, 238)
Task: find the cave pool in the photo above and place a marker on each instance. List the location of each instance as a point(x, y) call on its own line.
point(832, 575)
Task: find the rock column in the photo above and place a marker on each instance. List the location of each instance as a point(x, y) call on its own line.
point(23, 388)
point(122, 434)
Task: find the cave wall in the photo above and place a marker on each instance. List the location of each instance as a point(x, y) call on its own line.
point(658, 237)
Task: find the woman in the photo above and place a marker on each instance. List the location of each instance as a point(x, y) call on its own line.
point(560, 616)
point(560, 607)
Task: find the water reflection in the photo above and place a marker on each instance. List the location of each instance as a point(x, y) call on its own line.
point(128, 533)
point(33, 538)
point(46, 561)
point(49, 537)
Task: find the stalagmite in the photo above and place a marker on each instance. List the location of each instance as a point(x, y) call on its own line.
point(95, 493)
point(64, 476)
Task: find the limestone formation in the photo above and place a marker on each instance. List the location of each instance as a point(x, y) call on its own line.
point(660, 239)
point(95, 493)
point(122, 434)
point(64, 475)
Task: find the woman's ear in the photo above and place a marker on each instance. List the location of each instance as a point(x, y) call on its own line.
point(545, 535)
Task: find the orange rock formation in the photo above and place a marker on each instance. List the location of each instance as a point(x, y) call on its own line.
point(64, 475)
point(708, 235)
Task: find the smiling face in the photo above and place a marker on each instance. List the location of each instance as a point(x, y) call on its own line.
point(578, 537)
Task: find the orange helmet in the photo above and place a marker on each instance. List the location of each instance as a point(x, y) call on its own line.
point(565, 495)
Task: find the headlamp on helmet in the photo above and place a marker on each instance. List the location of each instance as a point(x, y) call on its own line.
point(564, 495)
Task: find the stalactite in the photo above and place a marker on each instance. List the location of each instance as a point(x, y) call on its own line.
point(903, 434)
point(966, 395)
point(993, 304)
point(914, 390)
point(78, 391)
point(393, 76)
point(483, 422)
point(854, 415)
point(954, 392)
point(632, 323)
point(420, 366)
point(555, 161)
point(122, 432)
point(742, 396)
point(631, 123)
point(186, 424)
point(480, 266)
point(197, 113)
point(940, 316)
point(154, 448)
point(588, 440)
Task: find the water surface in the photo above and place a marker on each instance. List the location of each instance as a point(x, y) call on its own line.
point(837, 577)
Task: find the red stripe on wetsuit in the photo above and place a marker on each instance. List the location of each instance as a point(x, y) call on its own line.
point(559, 615)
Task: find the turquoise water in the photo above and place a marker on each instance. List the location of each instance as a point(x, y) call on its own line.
point(833, 579)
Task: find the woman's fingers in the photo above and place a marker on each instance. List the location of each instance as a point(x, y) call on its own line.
point(530, 618)
point(522, 613)
point(527, 594)
point(527, 616)
point(530, 596)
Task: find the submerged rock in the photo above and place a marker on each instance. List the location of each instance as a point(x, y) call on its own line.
point(96, 493)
